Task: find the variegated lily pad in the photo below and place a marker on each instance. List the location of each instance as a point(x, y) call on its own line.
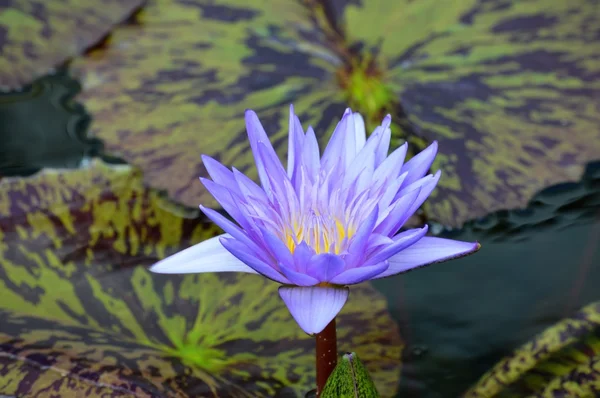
point(81, 314)
point(563, 361)
point(177, 85)
point(37, 35)
point(509, 88)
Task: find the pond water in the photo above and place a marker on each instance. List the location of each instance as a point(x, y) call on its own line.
point(536, 266)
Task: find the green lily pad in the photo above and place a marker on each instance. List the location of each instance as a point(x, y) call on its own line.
point(562, 361)
point(176, 86)
point(81, 314)
point(36, 36)
point(510, 89)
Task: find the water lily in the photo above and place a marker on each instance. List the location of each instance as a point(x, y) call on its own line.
point(324, 223)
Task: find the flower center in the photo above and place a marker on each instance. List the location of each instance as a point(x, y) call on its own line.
point(324, 234)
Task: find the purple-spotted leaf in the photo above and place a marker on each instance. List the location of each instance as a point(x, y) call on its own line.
point(176, 85)
point(36, 36)
point(562, 361)
point(81, 314)
point(510, 89)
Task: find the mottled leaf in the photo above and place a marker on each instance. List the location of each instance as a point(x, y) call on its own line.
point(81, 314)
point(177, 85)
point(36, 36)
point(563, 361)
point(510, 89)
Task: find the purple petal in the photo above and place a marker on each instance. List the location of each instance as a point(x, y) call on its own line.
point(358, 243)
point(218, 172)
point(427, 185)
point(228, 200)
point(360, 135)
point(428, 250)
point(256, 135)
point(233, 230)
point(279, 250)
point(249, 188)
point(310, 155)
point(359, 274)
point(297, 278)
point(242, 253)
point(334, 152)
point(302, 256)
point(295, 143)
point(398, 213)
point(420, 164)
point(207, 256)
point(383, 146)
point(390, 168)
point(314, 307)
point(401, 242)
point(325, 266)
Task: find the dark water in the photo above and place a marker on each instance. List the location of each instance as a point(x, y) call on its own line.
point(536, 266)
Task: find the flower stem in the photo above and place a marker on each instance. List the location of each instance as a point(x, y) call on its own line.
point(326, 342)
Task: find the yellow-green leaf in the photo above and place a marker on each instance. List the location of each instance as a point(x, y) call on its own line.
point(562, 361)
point(510, 89)
point(37, 35)
point(81, 314)
point(176, 86)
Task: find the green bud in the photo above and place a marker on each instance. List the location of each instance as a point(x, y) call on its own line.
point(349, 379)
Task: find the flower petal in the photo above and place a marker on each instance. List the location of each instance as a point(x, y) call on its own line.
point(401, 242)
point(256, 135)
point(297, 278)
point(218, 172)
point(242, 253)
point(314, 307)
point(360, 135)
point(302, 256)
point(428, 250)
point(310, 155)
point(295, 143)
point(360, 274)
point(207, 256)
point(420, 164)
point(325, 266)
point(358, 243)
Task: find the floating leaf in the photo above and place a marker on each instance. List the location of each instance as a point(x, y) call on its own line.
point(510, 89)
point(563, 361)
point(81, 314)
point(36, 36)
point(177, 85)
point(350, 379)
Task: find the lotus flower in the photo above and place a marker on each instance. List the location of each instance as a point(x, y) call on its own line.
point(324, 223)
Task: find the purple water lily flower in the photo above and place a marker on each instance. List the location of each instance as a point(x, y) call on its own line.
point(324, 223)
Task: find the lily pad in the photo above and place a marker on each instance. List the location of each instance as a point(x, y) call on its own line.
point(81, 314)
point(36, 36)
point(177, 85)
point(563, 361)
point(510, 89)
